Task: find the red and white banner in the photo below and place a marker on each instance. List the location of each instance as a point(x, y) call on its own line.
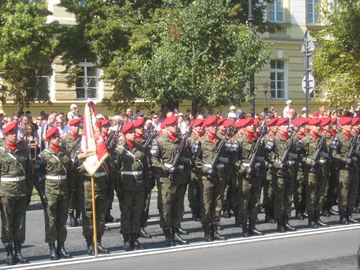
point(93, 147)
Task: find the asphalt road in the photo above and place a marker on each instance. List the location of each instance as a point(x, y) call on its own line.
point(330, 248)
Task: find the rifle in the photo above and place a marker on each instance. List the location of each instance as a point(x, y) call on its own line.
point(249, 170)
point(150, 137)
point(110, 141)
point(285, 156)
point(351, 150)
point(181, 147)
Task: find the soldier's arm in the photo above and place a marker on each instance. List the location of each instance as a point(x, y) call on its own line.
point(117, 171)
point(337, 153)
point(155, 152)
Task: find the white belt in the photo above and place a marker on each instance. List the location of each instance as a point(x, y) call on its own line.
point(135, 173)
point(208, 165)
point(246, 164)
point(12, 179)
point(181, 167)
point(291, 162)
point(98, 174)
point(322, 161)
point(55, 177)
point(167, 165)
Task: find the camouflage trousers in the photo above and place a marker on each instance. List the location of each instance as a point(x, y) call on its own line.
point(211, 201)
point(101, 205)
point(315, 190)
point(194, 190)
point(268, 202)
point(131, 205)
point(283, 190)
point(149, 184)
point(300, 188)
point(57, 214)
point(77, 196)
point(347, 189)
point(170, 202)
point(249, 197)
point(13, 219)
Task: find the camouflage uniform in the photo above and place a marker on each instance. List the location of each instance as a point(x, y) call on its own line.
point(213, 186)
point(301, 180)
point(70, 147)
point(347, 186)
point(170, 203)
point(129, 187)
point(249, 183)
point(55, 179)
point(316, 181)
point(15, 191)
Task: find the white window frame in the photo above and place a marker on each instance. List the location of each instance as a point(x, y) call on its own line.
point(88, 79)
point(312, 14)
point(274, 8)
point(274, 83)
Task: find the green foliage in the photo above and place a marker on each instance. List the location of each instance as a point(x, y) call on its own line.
point(26, 51)
point(336, 62)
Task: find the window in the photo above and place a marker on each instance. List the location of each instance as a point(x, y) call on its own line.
point(312, 11)
point(276, 11)
point(87, 81)
point(277, 76)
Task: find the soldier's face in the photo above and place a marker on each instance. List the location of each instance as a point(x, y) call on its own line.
point(74, 129)
point(139, 131)
point(346, 128)
point(250, 128)
point(211, 129)
point(284, 128)
point(315, 129)
point(55, 140)
point(274, 129)
point(11, 136)
point(172, 128)
point(130, 136)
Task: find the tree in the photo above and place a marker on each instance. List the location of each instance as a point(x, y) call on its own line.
point(337, 59)
point(205, 55)
point(27, 50)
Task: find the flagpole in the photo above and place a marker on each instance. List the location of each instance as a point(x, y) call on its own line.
point(94, 215)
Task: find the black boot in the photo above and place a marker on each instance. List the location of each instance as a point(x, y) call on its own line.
point(18, 256)
point(90, 245)
point(53, 253)
point(299, 214)
point(127, 242)
point(73, 222)
point(144, 233)
point(252, 229)
point(100, 247)
point(195, 215)
point(326, 211)
point(136, 244)
point(319, 222)
point(312, 222)
point(226, 213)
point(10, 260)
point(245, 230)
point(280, 226)
point(343, 218)
point(349, 216)
point(269, 218)
point(78, 217)
point(176, 236)
point(182, 231)
point(215, 233)
point(109, 218)
point(168, 238)
point(207, 233)
point(288, 227)
point(61, 251)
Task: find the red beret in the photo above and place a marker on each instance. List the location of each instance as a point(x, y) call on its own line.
point(314, 121)
point(256, 121)
point(104, 122)
point(334, 120)
point(74, 122)
point(299, 121)
point(243, 122)
point(283, 121)
point(325, 121)
point(169, 120)
point(272, 122)
point(355, 121)
point(316, 114)
point(197, 122)
point(220, 121)
point(306, 120)
point(129, 126)
point(52, 132)
point(139, 122)
point(210, 121)
point(10, 127)
point(345, 121)
point(228, 123)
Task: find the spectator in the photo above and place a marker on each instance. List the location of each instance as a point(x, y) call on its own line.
point(155, 121)
point(181, 123)
point(316, 115)
point(31, 140)
point(63, 129)
point(130, 114)
point(74, 112)
point(232, 109)
point(287, 108)
point(303, 112)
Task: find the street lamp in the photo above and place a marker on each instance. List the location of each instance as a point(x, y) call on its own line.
point(266, 86)
point(252, 77)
